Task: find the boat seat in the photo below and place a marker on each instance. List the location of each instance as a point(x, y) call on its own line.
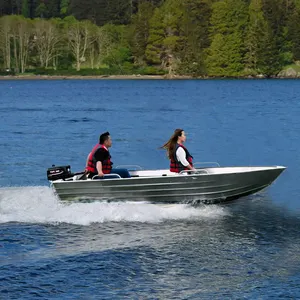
point(115, 173)
point(124, 173)
point(107, 176)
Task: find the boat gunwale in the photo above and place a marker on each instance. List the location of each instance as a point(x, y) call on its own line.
point(247, 192)
point(182, 189)
point(265, 169)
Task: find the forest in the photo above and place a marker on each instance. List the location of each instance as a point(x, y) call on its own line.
point(200, 38)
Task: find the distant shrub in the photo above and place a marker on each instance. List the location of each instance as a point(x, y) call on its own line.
point(7, 72)
point(150, 70)
point(126, 68)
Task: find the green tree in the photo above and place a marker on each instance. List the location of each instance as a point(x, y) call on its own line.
point(113, 47)
point(155, 39)
point(119, 58)
point(166, 36)
point(275, 45)
point(25, 8)
point(94, 49)
point(269, 62)
point(294, 32)
point(93, 10)
point(41, 10)
point(53, 8)
point(139, 31)
point(256, 35)
point(119, 12)
point(64, 6)
point(195, 27)
point(226, 52)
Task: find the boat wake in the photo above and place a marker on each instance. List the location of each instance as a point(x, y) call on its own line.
point(40, 205)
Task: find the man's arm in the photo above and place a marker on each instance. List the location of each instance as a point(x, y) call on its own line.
point(87, 160)
point(99, 168)
point(100, 157)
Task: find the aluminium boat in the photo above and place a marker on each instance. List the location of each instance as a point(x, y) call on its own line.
point(208, 185)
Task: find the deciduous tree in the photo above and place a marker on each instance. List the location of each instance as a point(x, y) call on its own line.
point(21, 35)
point(47, 38)
point(80, 37)
point(5, 40)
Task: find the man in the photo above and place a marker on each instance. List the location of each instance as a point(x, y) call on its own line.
point(99, 160)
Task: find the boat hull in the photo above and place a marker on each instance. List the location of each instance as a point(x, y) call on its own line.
point(215, 185)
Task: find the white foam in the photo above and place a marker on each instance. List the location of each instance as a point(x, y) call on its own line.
point(39, 205)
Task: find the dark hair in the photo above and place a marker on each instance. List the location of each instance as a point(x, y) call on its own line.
point(171, 143)
point(103, 137)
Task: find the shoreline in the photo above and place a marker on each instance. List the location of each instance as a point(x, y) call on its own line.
point(130, 77)
point(105, 77)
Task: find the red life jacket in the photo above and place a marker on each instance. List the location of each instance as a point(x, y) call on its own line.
point(107, 164)
point(175, 165)
point(91, 165)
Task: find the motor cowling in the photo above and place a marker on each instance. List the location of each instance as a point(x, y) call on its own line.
point(59, 172)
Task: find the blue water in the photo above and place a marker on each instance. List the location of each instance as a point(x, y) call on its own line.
point(249, 249)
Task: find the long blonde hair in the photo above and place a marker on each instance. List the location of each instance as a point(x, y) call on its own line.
point(170, 145)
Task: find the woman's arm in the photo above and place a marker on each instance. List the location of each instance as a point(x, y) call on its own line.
point(180, 154)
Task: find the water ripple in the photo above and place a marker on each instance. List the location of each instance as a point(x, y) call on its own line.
point(53, 250)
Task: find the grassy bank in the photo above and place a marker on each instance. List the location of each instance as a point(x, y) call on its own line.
point(290, 71)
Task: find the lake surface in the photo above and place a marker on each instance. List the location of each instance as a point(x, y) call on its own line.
point(247, 249)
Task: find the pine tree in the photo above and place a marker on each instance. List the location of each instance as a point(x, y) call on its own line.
point(275, 46)
point(166, 36)
point(41, 10)
point(25, 8)
point(64, 6)
point(52, 8)
point(294, 32)
point(119, 12)
point(156, 38)
point(256, 35)
point(226, 53)
point(269, 62)
point(93, 10)
point(139, 31)
point(195, 27)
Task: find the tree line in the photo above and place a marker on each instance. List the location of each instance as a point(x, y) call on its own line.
point(191, 37)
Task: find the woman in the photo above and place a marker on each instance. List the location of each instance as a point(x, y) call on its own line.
point(180, 158)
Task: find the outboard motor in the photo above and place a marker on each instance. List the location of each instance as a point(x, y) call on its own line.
point(61, 172)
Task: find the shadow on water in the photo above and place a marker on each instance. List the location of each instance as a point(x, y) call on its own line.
point(260, 217)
